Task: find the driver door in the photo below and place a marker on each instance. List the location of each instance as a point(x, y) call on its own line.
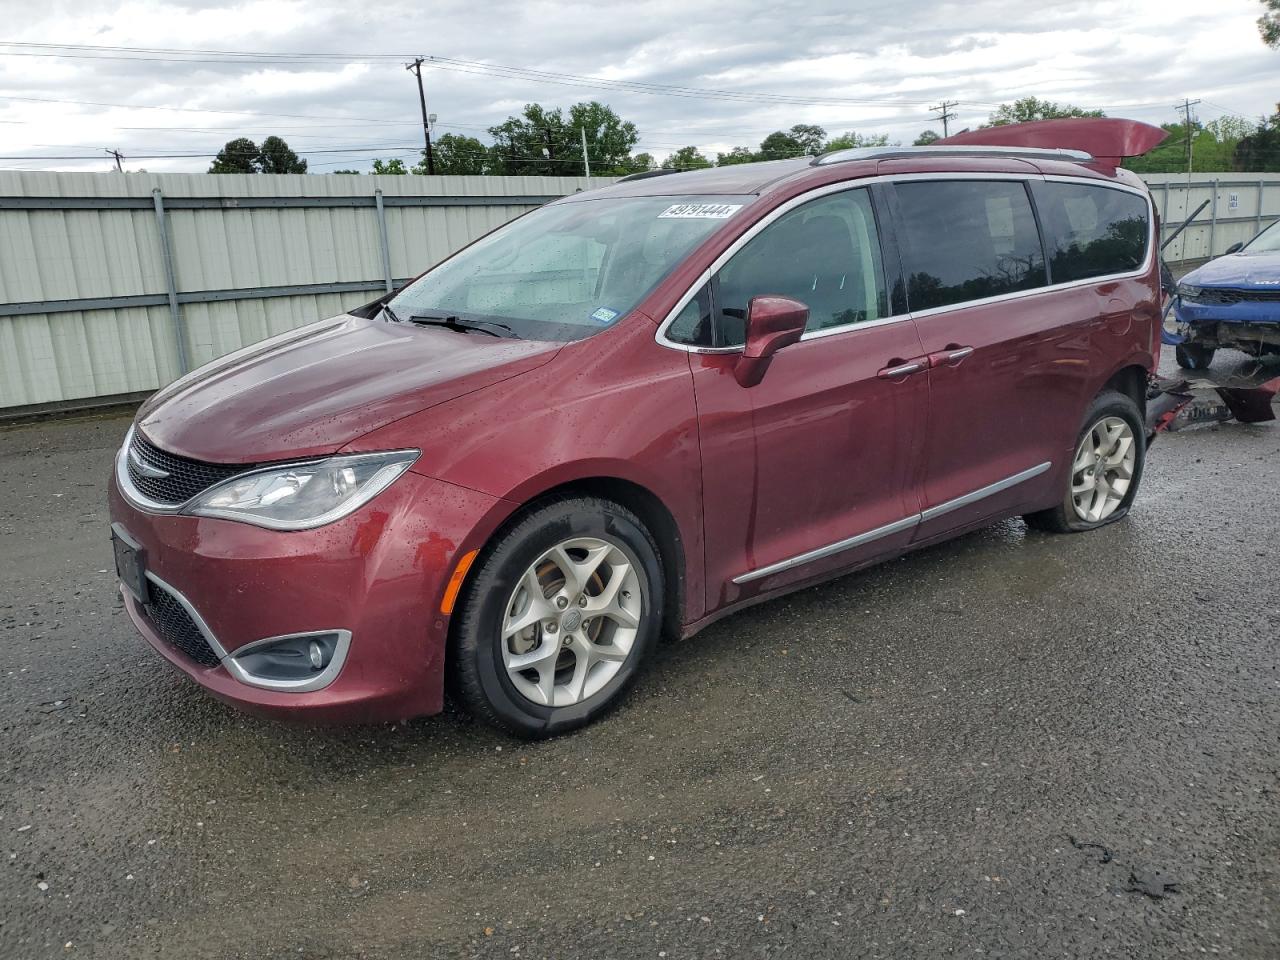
point(815, 468)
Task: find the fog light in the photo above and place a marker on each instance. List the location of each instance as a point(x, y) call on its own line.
point(300, 662)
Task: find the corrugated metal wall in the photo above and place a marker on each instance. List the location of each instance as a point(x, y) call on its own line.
point(49, 256)
point(321, 235)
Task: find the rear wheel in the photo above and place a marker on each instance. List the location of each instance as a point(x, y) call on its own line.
point(1191, 356)
point(1105, 470)
point(558, 618)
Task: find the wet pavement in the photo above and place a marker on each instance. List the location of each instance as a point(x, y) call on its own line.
point(1012, 745)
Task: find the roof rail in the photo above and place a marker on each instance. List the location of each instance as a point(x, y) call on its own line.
point(645, 175)
point(904, 153)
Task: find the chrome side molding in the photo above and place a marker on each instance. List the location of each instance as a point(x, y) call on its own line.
point(898, 526)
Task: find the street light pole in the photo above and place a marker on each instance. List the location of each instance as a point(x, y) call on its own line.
point(416, 68)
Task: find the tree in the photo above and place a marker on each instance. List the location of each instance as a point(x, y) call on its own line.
point(546, 142)
point(393, 167)
point(926, 138)
point(458, 155)
point(1029, 108)
point(237, 156)
point(1260, 150)
point(1214, 146)
point(736, 155)
point(1269, 23)
point(642, 162)
point(850, 140)
point(276, 157)
point(357, 172)
point(780, 146)
point(686, 158)
point(811, 138)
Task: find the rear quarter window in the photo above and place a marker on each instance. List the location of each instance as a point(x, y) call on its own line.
point(1091, 231)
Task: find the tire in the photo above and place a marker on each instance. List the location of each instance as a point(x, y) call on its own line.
point(1107, 412)
point(581, 654)
point(1191, 356)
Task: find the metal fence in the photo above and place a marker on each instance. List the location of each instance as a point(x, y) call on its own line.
point(112, 284)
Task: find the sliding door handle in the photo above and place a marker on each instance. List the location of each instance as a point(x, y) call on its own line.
point(900, 369)
point(949, 357)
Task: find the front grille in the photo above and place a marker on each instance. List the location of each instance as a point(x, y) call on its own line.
point(184, 478)
point(1224, 295)
point(175, 626)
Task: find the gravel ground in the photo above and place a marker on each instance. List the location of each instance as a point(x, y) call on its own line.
point(1012, 745)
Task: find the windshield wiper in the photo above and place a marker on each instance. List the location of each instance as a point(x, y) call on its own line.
point(454, 322)
point(386, 308)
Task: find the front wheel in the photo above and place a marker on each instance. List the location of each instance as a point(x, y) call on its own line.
point(1105, 471)
point(1191, 356)
point(558, 618)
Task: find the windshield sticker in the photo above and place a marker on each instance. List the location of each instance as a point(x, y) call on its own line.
point(604, 315)
point(700, 211)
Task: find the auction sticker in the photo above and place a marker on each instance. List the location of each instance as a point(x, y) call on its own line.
point(700, 211)
point(604, 315)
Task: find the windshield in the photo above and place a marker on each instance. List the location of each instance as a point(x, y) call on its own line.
point(1268, 241)
point(567, 270)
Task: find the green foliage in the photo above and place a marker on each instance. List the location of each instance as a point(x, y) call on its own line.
point(736, 155)
point(926, 138)
point(642, 162)
point(394, 167)
point(276, 157)
point(357, 172)
point(686, 158)
point(242, 155)
point(1260, 150)
point(456, 155)
point(546, 142)
point(1030, 108)
point(1269, 23)
point(1215, 146)
point(849, 140)
point(237, 156)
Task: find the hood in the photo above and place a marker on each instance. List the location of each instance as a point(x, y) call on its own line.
point(1243, 269)
point(311, 391)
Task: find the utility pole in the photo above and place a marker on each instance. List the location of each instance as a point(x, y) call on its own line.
point(586, 164)
point(1185, 106)
point(944, 114)
point(416, 68)
point(119, 157)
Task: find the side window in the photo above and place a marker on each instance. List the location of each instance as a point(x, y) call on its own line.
point(968, 239)
point(824, 253)
point(692, 325)
point(1091, 231)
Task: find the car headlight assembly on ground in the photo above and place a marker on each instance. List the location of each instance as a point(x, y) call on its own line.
point(301, 496)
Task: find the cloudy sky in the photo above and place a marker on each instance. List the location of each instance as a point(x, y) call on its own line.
point(329, 76)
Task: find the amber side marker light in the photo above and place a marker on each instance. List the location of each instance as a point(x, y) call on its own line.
point(455, 582)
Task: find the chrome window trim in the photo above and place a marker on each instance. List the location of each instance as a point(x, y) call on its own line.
point(660, 334)
point(317, 682)
point(906, 523)
point(194, 614)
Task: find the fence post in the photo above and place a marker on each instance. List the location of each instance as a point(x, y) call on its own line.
point(1262, 185)
point(1164, 214)
point(382, 238)
point(1213, 221)
point(175, 311)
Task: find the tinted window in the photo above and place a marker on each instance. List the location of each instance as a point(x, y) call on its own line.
point(824, 253)
point(692, 325)
point(968, 239)
point(1091, 231)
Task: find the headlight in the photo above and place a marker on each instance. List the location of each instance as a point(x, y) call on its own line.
point(1187, 292)
point(299, 496)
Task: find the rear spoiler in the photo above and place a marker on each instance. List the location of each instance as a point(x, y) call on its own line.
point(1107, 139)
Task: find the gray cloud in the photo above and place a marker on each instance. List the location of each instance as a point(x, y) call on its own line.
point(1130, 58)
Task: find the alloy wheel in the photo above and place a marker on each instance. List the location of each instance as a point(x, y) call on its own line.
point(571, 621)
point(1103, 469)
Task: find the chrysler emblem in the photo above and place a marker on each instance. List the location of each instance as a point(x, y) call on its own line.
point(155, 473)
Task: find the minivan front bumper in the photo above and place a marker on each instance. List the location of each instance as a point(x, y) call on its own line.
point(368, 587)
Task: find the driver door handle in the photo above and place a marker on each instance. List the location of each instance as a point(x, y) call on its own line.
point(949, 357)
point(901, 369)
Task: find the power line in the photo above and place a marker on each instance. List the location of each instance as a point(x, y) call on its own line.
point(944, 114)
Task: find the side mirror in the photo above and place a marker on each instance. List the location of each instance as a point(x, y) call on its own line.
point(772, 323)
point(1235, 248)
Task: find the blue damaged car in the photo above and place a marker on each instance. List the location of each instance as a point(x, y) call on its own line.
point(1233, 301)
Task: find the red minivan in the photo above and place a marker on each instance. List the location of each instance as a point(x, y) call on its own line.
point(633, 411)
